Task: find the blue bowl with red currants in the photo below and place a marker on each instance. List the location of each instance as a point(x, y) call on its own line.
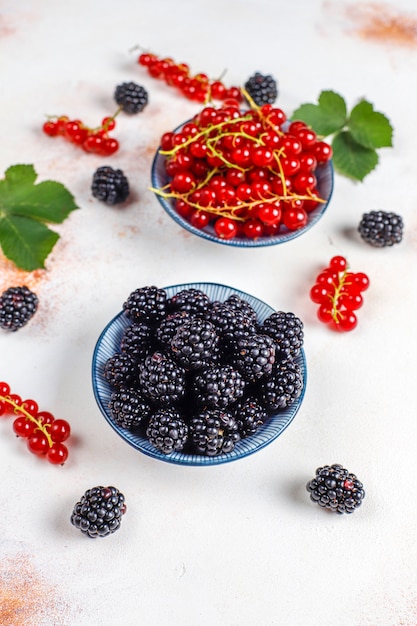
point(243, 177)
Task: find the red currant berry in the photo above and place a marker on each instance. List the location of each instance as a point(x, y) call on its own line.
point(23, 427)
point(110, 146)
point(4, 389)
point(183, 208)
point(183, 182)
point(218, 90)
point(307, 137)
point(199, 219)
point(57, 454)
point(296, 126)
point(50, 128)
point(269, 213)
point(44, 417)
point(361, 281)
point(30, 407)
point(320, 293)
point(322, 151)
point(167, 141)
point(108, 123)
point(38, 443)
point(351, 301)
point(253, 229)
point(338, 263)
point(262, 156)
point(348, 321)
point(291, 145)
point(225, 228)
point(324, 313)
point(294, 219)
point(304, 181)
point(60, 430)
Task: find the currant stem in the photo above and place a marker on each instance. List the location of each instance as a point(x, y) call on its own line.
point(21, 409)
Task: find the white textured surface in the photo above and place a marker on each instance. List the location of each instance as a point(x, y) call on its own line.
point(240, 544)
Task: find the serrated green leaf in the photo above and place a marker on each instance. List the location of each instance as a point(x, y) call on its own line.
point(26, 242)
point(351, 158)
point(370, 128)
point(326, 117)
point(24, 206)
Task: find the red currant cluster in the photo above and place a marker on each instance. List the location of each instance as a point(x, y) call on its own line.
point(44, 434)
point(96, 140)
point(338, 293)
point(241, 172)
point(197, 87)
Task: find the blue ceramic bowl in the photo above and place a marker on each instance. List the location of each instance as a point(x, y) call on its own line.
point(324, 174)
point(108, 344)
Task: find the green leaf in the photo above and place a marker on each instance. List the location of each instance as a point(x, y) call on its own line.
point(326, 117)
point(24, 207)
point(352, 159)
point(368, 127)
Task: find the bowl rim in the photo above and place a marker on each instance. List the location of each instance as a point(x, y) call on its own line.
point(240, 242)
point(244, 447)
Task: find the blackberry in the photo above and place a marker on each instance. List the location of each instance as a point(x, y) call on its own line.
point(262, 88)
point(283, 387)
point(218, 386)
point(254, 357)
point(137, 341)
point(191, 300)
point(17, 306)
point(249, 415)
point(99, 511)
point(128, 408)
point(146, 304)
point(381, 229)
point(109, 185)
point(334, 488)
point(131, 97)
point(194, 343)
point(169, 326)
point(286, 329)
point(162, 380)
point(214, 432)
point(167, 431)
point(236, 303)
point(230, 324)
point(120, 370)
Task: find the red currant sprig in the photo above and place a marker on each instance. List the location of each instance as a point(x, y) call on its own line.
point(45, 435)
point(338, 292)
point(96, 140)
point(240, 171)
point(197, 87)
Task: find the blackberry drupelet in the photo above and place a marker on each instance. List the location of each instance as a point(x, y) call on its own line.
point(169, 326)
point(109, 185)
point(381, 229)
point(283, 387)
point(249, 415)
point(17, 306)
point(286, 329)
point(137, 341)
point(120, 370)
point(128, 408)
point(167, 431)
point(131, 97)
point(213, 432)
point(162, 380)
point(99, 511)
point(334, 488)
point(146, 304)
point(192, 300)
point(262, 88)
point(217, 386)
point(254, 356)
point(194, 343)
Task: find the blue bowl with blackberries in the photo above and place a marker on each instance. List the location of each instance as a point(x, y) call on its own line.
point(199, 373)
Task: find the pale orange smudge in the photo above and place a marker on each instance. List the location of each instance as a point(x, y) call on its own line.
point(384, 24)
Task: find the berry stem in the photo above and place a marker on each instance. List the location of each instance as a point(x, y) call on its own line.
point(20, 409)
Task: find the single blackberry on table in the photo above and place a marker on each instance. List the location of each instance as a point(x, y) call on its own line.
point(162, 380)
point(146, 304)
point(334, 488)
point(128, 408)
point(262, 88)
point(169, 326)
point(109, 185)
point(283, 387)
point(137, 341)
point(286, 329)
point(99, 511)
point(217, 386)
point(213, 432)
point(120, 370)
point(194, 343)
point(167, 431)
point(381, 228)
point(249, 415)
point(131, 97)
point(191, 300)
point(237, 303)
point(254, 356)
point(17, 306)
